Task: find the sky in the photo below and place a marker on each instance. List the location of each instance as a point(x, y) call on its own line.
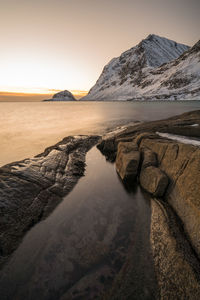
point(48, 45)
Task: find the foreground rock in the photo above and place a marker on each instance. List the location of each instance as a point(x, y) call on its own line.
point(148, 158)
point(127, 161)
point(177, 268)
point(30, 189)
point(169, 170)
point(179, 162)
point(154, 181)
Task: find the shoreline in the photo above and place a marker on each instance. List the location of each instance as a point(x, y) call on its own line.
point(31, 189)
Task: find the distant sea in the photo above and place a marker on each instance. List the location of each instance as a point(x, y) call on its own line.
point(27, 128)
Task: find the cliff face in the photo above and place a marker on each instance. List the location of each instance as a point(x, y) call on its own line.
point(157, 68)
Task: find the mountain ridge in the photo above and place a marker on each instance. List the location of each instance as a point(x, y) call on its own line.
point(134, 74)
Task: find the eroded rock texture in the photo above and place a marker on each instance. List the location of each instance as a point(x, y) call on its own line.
point(171, 170)
point(154, 181)
point(30, 189)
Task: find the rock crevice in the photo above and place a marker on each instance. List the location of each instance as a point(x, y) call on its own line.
point(32, 188)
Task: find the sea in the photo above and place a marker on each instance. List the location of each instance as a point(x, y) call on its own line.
point(27, 128)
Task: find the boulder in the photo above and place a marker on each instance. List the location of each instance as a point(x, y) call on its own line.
point(154, 181)
point(149, 158)
point(127, 161)
point(108, 147)
point(143, 135)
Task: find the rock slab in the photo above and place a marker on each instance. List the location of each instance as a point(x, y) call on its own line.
point(154, 181)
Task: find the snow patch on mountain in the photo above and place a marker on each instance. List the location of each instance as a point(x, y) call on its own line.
point(157, 68)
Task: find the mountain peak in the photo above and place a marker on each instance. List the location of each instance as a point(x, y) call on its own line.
point(160, 50)
point(152, 36)
point(126, 76)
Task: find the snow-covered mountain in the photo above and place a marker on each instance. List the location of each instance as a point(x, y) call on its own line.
point(157, 68)
point(62, 96)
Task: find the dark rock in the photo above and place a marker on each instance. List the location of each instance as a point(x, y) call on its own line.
point(31, 189)
point(154, 181)
point(108, 147)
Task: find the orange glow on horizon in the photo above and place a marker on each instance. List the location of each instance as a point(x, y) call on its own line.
point(35, 95)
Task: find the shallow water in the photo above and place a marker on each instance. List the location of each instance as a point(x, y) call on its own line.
point(86, 234)
point(26, 129)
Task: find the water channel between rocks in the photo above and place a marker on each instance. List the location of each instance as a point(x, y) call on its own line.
point(77, 251)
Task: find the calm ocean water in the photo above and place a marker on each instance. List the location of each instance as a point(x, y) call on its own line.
point(26, 129)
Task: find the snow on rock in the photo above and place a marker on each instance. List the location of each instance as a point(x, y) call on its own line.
point(62, 96)
point(155, 69)
point(179, 138)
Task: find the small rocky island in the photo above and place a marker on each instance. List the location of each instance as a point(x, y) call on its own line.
point(62, 96)
point(163, 158)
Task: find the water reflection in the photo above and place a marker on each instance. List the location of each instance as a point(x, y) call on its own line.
point(26, 129)
point(80, 247)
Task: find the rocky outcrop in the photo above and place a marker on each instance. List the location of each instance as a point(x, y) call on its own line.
point(181, 163)
point(170, 171)
point(127, 161)
point(179, 125)
point(31, 189)
point(62, 96)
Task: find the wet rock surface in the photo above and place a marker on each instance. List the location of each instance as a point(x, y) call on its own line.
point(173, 170)
point(32, 188)
point(94, 245)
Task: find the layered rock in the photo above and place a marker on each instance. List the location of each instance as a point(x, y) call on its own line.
point(176, 266)
point(169, 170)
point(179, 162)
point(30, 189)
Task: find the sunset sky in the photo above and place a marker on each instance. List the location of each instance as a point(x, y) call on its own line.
point(64, 44)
